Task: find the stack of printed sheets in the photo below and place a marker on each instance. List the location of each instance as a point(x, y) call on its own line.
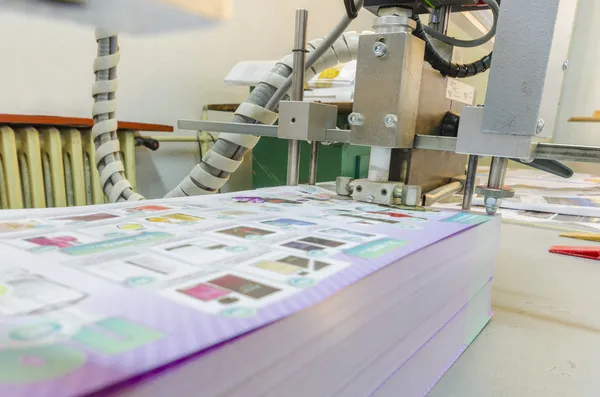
point(275, 292)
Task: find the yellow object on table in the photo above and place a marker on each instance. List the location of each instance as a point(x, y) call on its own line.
point(594, 119)
point(582, 236)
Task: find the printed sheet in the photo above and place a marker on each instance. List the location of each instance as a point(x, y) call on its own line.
point(92, 296)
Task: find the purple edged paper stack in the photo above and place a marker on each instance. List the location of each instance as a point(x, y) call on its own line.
point(276, 292)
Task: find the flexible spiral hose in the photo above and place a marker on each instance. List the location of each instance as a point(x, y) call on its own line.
point(228, 152)
point(115, 185)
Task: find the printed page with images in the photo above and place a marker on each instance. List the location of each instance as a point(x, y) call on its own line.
point(92, 296)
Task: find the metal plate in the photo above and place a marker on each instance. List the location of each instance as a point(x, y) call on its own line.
point(388, 85)
point(375, 192)
point(519, 66)
point(472, 141)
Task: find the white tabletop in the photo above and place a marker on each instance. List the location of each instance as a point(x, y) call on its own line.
point(544, 339)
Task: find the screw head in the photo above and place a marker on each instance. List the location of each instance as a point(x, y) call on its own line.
point(380, 49)
point(390, 120)
point(384, 192)
point(540, 126)
point(565, 65)
point(359, 188)
point(491, 205)
point(355, 118)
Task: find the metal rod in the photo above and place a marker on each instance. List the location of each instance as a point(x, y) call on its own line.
point(497, 172)
point(293, 168)
point(314, 162)
point(470, 182)
point(299, 55)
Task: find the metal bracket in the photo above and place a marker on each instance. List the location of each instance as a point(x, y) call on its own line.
point(386, 193)
point(306, 121)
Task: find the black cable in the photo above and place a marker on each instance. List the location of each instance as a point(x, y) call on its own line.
point(443, 65)
point(351, 9)
point(468, 43)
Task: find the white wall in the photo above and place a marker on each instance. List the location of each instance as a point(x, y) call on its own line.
point(46, 69)
point(581, 91)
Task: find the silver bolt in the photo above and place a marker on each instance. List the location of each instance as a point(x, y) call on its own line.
point(355, 119)
point(379, 49)
point(540, 126)
point(390, 120)
point(565, 65)
point(491, 205)
point(370, 199)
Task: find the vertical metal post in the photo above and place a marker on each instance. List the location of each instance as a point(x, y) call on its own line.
point(470, 182)
point(497, 172)
point(293, 170)
point(314, 162)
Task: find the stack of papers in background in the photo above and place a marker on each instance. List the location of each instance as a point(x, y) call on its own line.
point(276, 292)
point(332, 85)
point(546, 200)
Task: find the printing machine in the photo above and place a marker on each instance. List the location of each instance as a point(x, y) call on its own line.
point(421, 141)
point(418, 142)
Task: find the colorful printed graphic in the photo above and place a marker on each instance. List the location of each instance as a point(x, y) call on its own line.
point(131, 227)
point(57, 242)
point(148, 208)
point(263, 200)
point(249, 288)
point(293, 270)
point(14, 227)
point(393, 214)
point(376, 249)
point(117, 243)
point(205, 292)
point(88, 218)
point(288, 223)
point(467, 219)
point(175, 219)
point(246, 232)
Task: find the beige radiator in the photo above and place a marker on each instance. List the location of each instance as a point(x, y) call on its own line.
point(52, 166)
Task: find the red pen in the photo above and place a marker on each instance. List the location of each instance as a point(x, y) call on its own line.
point(581, 252)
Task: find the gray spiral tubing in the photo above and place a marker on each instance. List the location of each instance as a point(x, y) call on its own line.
point(228, 152)
point(115, 185)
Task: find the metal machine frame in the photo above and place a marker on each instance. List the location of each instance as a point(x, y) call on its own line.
point(390, 68)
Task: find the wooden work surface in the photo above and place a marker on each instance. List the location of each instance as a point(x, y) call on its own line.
point(594, 119)
point(231, 107)
point(78, 122)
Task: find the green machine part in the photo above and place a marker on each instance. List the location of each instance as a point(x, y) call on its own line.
point(269, 162)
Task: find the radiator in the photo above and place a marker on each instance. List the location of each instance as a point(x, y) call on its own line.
point(50, 167)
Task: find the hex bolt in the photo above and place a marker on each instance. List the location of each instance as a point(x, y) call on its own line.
point(390, 120)
point(540, 126)
point(380, 49)
point(565, 65)
point(370, 199)
point(355, 119)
